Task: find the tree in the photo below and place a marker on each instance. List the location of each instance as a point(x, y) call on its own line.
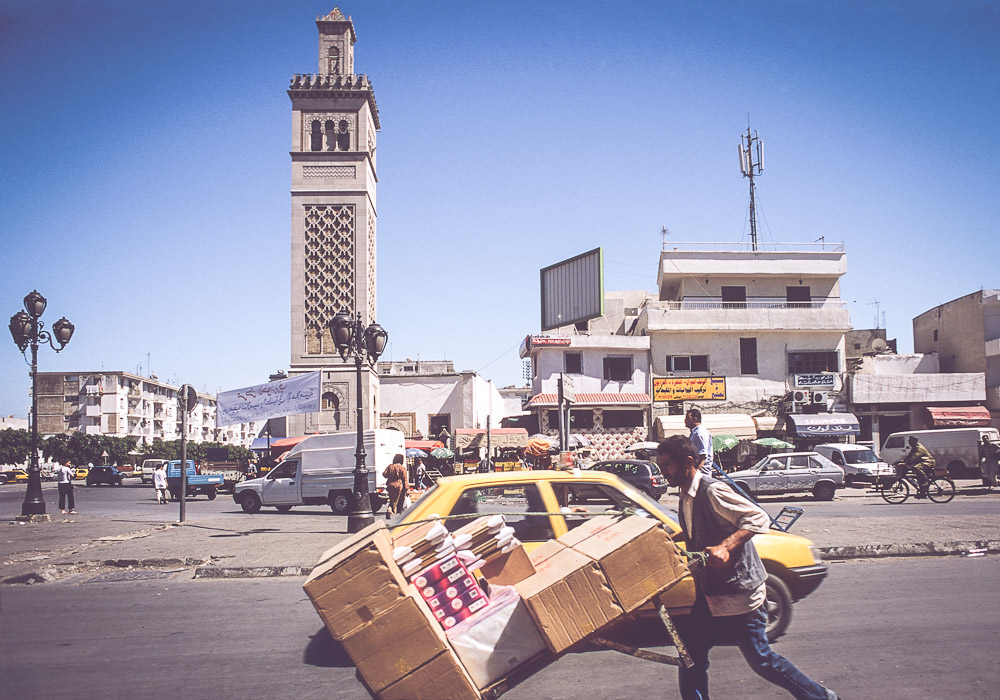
point(56, 449)
point(118, 448)
point(15, 446)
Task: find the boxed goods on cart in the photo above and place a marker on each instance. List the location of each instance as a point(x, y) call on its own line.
point(428, 613)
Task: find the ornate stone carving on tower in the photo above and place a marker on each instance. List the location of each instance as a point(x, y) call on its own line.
point(334, 123)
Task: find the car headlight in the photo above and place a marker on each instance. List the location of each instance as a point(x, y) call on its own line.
point(863, 470)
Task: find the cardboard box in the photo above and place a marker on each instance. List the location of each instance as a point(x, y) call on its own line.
point(586, 529)
point(441, 678)
point(401, 640)
point(356, 581)
point(509, 568)
point(568, 598)
point(497, 640)
point(543, 552)
point(636, 555)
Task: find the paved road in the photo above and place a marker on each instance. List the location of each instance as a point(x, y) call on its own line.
point(899, 629)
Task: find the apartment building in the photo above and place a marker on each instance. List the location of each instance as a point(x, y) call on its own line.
point(965, 334)
point(128, 405)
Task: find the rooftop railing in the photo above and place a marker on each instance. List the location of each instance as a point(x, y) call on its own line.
point(741, 247)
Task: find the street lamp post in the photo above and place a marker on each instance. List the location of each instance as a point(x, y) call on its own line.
point(352, 338)
point(27, 330)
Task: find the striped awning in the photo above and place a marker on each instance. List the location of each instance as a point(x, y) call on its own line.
point(958, 417)
point(598, 399)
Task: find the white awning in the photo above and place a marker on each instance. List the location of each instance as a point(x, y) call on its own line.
point(736, 424)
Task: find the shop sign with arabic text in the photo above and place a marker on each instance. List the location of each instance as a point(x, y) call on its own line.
point(689, 389)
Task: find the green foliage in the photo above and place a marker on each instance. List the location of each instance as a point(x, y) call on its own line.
point(15, 446)
point(56, 449)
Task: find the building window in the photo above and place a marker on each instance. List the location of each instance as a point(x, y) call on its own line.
point(748, 356)
point(436, 422)
point(333, 60)
point(331, 135)
point(687, 363)
point(812, 362)
point(579, 419)
point(935, 335)
point(623, 419)
point(573, 362)
point(734, 297)
point(618, 368)
point(798, 296)
point(316, 137)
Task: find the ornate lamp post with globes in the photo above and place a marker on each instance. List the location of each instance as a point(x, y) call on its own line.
point(27, 330)
point(352, 338)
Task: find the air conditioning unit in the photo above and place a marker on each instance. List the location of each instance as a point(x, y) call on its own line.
point(800, 396)
point(788, 407)
point(818, 397)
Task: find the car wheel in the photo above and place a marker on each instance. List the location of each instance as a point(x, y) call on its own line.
point(377, 502)
point(849, 479)
point(211, 494)
point(778, 606)
point(340, 502)
point(282, 509)
point(824, 491)
point(746, 489)
point(250, 503)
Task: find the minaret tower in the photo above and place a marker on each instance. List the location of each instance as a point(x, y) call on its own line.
point(334, 122)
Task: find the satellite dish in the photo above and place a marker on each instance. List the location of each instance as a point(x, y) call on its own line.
point(879, 345)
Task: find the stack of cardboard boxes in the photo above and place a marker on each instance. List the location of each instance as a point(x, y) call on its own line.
point(567, 590)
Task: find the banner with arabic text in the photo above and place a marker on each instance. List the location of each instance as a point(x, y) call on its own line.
point(689, 389)
point(284, 397)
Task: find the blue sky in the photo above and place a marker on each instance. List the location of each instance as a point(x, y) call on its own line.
point(145, 178)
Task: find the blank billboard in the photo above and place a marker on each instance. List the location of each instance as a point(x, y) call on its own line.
point(573, 290)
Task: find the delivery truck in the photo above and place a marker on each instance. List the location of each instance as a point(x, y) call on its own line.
point(955, 449)
point(320, 471)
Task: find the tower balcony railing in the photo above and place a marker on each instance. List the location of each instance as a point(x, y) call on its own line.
point(319, 81)
point(704, 304)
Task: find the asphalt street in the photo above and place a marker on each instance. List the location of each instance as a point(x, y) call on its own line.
point(900, 628)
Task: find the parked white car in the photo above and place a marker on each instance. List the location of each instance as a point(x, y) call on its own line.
point(791, 472)
point(860, 463)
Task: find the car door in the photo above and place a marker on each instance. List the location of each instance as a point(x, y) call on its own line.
point(772, 478)
point(802, 473)
point(281, 485)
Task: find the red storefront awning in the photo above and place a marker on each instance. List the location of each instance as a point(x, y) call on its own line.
point(958, 417)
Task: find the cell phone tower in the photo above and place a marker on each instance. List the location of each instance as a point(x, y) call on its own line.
point(751, 146)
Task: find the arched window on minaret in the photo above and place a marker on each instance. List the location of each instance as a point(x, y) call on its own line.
point(343, 136)
point(331, 135)
point(316, 137)
point(333, 60)
point(332, 403)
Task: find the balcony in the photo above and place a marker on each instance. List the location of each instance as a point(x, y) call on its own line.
point(754, 314)
point(993, 347)
point(92, 411)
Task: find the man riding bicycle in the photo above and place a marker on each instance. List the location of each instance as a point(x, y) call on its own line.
point(919, 461)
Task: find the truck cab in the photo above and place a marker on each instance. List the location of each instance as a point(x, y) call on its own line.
point(207, 484)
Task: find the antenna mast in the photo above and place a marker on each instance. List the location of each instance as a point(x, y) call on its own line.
point(751, 146)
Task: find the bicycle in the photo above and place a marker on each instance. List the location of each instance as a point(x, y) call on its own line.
point(897, 489)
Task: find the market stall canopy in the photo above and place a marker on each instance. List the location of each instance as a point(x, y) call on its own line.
point(721, 443)
point(425, 445)
point(466, 438)
point(774, 443)
point(739, 425)
point(539, 445)
point(823, 425)
point(414, 452)
point(442, 453)
point(287, 442)
point(957, 417)
point(765, 423)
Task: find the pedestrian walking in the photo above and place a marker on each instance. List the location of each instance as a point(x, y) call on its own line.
point(701, 438)
point(160, 483)
point(990, 455)
point(730, 587)
point(396, 484)
point(64, 477)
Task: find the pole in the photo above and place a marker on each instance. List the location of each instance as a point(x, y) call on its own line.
point(489, 446)
point(361, 516)
point(34, 503)
point(183, 456)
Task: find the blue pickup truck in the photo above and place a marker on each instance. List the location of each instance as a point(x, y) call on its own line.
point(207, 484)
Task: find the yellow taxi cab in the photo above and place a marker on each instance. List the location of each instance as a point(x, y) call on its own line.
point(80, 473)
point(14, 475)
point(793, 564)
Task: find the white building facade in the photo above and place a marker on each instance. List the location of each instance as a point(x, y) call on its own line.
point(128, 405)
point(422, 397)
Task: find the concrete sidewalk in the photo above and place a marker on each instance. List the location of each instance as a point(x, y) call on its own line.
point(290, 544)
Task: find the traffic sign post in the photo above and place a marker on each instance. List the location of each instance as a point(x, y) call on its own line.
point(187, 397)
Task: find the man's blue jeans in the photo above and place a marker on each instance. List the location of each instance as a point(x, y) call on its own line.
point(700, 632)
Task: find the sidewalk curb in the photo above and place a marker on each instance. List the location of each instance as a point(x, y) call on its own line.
point(250, 571)
point(918, 549)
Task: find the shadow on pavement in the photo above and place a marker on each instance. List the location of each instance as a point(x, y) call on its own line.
point(324, 652)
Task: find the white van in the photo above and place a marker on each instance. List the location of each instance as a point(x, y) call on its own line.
point(859, 462)
point(956, 449)
point(320, 471)
point(148, 467)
